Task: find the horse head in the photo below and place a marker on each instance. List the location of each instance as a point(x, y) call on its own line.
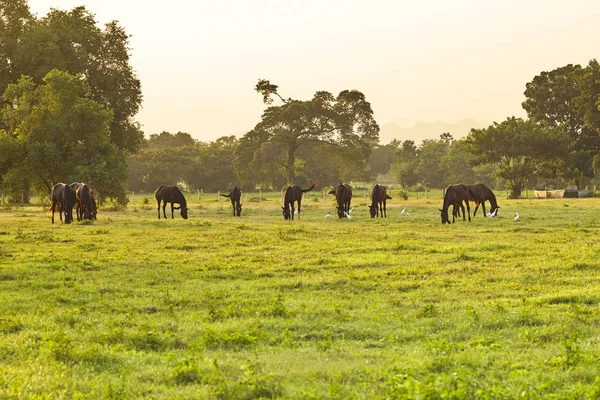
point(444, 214)
point(184, 212)
point(341, 211)
point(286, 213)
point(373, 210)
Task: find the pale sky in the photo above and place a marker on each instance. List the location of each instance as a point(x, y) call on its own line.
point(437, 60)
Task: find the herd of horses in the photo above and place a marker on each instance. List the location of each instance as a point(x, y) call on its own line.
point(80, 196)
point(76, 195)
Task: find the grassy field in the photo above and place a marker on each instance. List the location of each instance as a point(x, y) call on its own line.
point(258, 307)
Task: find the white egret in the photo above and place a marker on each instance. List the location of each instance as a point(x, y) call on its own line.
point(516, 217)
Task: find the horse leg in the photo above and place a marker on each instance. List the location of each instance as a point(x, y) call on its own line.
point(476, 208)
point(299, 201)
point(293, 209)
point(172, 211)
point(468, 211)
point(483, 208)
point(462, 207)
point(165, 209)
point(233, 206)
point(158, 209)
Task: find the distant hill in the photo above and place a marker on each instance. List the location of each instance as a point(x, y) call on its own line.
point(428, 130)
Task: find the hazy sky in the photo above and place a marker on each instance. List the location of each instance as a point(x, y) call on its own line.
point(436, 60)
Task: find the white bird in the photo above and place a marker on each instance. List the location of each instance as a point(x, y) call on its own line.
point(516, 217)
point(296, 212)
point(328, 215)
point(352, 209)
point(403, 211)
point(493, 213)
point(347, 215)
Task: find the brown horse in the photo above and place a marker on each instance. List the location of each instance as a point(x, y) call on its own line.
point(455, 196)
point(483, 194)
point(86, 204)
point(379, 197)
point(294, 194)
point(235, 195)
point(343, 196)
point(171, 194)
point(63, 200)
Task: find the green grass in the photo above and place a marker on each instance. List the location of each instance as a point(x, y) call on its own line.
point(258, 307)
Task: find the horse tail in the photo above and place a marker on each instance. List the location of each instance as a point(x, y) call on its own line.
point(225, 195)
point(315, 183)
point(387, 196)
point(331, 192)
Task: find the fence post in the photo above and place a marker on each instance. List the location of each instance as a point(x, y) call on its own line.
point(3, 194)
point(218, 196)
point(260, 195)
point(507, 193)
point(281, 194)
point(526, 192)
point(426, 195)
point(198, 195)
point(133, 197)
point(365, 192)
point(246, 197)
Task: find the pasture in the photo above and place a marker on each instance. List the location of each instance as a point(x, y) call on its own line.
point(257, 307)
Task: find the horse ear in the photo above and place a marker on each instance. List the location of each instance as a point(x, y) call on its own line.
point(283, 208)
point(440, 210)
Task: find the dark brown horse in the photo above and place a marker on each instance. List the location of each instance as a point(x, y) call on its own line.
point(86, 204)
point(235, 195)
point(379, 198)
point(343, 196)
point(293, 194)
point(170, 194)
point(483, 194)
point(63, 200)
point(455, 196)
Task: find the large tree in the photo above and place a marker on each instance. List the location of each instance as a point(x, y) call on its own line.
point(345, 121)
point(71, 41)
point(568, 97)
point(56, 132)
point(520, 150)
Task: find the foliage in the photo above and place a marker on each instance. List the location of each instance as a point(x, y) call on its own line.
point(56, 133)
point(179, 159)
point(71, 41)
point(345, 121)
point(519, 149)
point(568, 97)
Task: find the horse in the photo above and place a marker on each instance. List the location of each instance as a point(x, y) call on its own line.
point(170, 194)
point(235, 196)
point(379, 197)
point(63, 199)
point(343, 196)
point(455, 196)
point(293, 194)
point(483, 194)
point(86, 204)
point(77, 205)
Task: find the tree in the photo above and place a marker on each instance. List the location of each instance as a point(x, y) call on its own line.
point(567, 97)
point(345, 121)
point(58, 133)
point(71, 41)
point(519, 148)
point(406, 162)
point(382, 157)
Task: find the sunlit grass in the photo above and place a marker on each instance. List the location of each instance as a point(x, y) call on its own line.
point(250, 307)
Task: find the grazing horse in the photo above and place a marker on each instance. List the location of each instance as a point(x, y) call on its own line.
point(235, 196)
point(455, 196)
point(379, 197)
point(343, 196)
point(86, 205)
point(170, 194)
point(483, 194)
point(63, 200)
point(77, 205)
point(293, 194)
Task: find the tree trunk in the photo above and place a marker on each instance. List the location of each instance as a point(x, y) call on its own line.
point(291, 160)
